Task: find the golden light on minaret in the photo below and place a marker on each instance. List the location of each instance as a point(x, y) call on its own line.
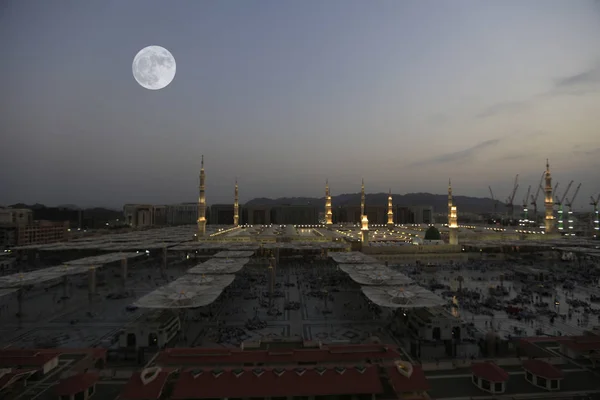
point(364, 221)
point(453, 225)
point(390, 212)
point(449, 200)
point(548, 202)
point(328, 213)
point(202, 202)
point(236, 209)
point(453, 221)
point(362, 199)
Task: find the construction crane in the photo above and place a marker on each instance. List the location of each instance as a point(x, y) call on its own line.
point(559, 203)
point(525, 221)
point(534, 199)
point(494, 201)
point(596, 219)
point(569, 204)
point(510, 200)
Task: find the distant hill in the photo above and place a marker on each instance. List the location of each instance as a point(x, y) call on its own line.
point(438, 201)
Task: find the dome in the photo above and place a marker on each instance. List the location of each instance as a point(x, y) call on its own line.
point(432, 234)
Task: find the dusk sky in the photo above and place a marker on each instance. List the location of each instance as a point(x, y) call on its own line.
point(284, 94)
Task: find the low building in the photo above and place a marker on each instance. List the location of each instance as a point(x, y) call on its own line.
point(139, 215)
point(16, 216)
point(422, 214)
point(221, 214)
point(146, 384)
point(77, 387)
point(542, 374)
point(291, 369)
point(40, 362)
point(43, 232)
point(489, 377)
point(156, 329)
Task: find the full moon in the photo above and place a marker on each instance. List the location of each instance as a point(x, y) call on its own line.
point(154, 67)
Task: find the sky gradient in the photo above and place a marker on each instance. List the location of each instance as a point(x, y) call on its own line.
point(284, 94)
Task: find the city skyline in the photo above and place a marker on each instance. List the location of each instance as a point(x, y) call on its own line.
point(286, 95)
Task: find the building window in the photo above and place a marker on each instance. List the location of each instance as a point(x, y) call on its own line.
point(498, 387)
point(485, 385)
point(541, 381)
point(80, 395)
point(529, 376)
point(554, 384)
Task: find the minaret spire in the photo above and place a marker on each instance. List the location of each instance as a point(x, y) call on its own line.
point(236, 210)
point(548, 201)
point(364, 220)
point(449, 200)
point(362, 198)
point(328, 213)
point(390, 212)
point(202, 202)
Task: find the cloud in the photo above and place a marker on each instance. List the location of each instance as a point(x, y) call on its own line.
point(591, 76)
point(513, 157)
point(577, 85)
point(590, 152)
point(502, 108)
point(457, 156)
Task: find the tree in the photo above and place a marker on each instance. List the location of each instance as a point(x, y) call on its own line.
point(433, 234)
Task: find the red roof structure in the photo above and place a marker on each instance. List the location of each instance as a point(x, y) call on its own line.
point(136, 389)
point(26, 358)
point(543, 369)
point(76, 383)
point(332, 354)
point(582, 343)
point(276, 382)
point(489, 371)
point(415, 383)
point(10, 378)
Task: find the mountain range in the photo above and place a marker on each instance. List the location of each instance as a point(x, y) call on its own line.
point(465, 204)
point(438, 201)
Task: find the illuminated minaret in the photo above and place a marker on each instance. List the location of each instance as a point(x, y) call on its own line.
point(202, 203)
point(364, 228)
point(328, 214)
point(449, 200)
point(453, 225)
point(548, 201)
point(362, 199)
point(390, 213)
point(236, 207)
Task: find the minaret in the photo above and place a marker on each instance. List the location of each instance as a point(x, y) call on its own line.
point(390, 213)
point(362, 199)
point(449, 200)
point(453, 225)
point(236, 209)
point(202, 203)
point(548, 201)
point(328, 214)
point(364, 229)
